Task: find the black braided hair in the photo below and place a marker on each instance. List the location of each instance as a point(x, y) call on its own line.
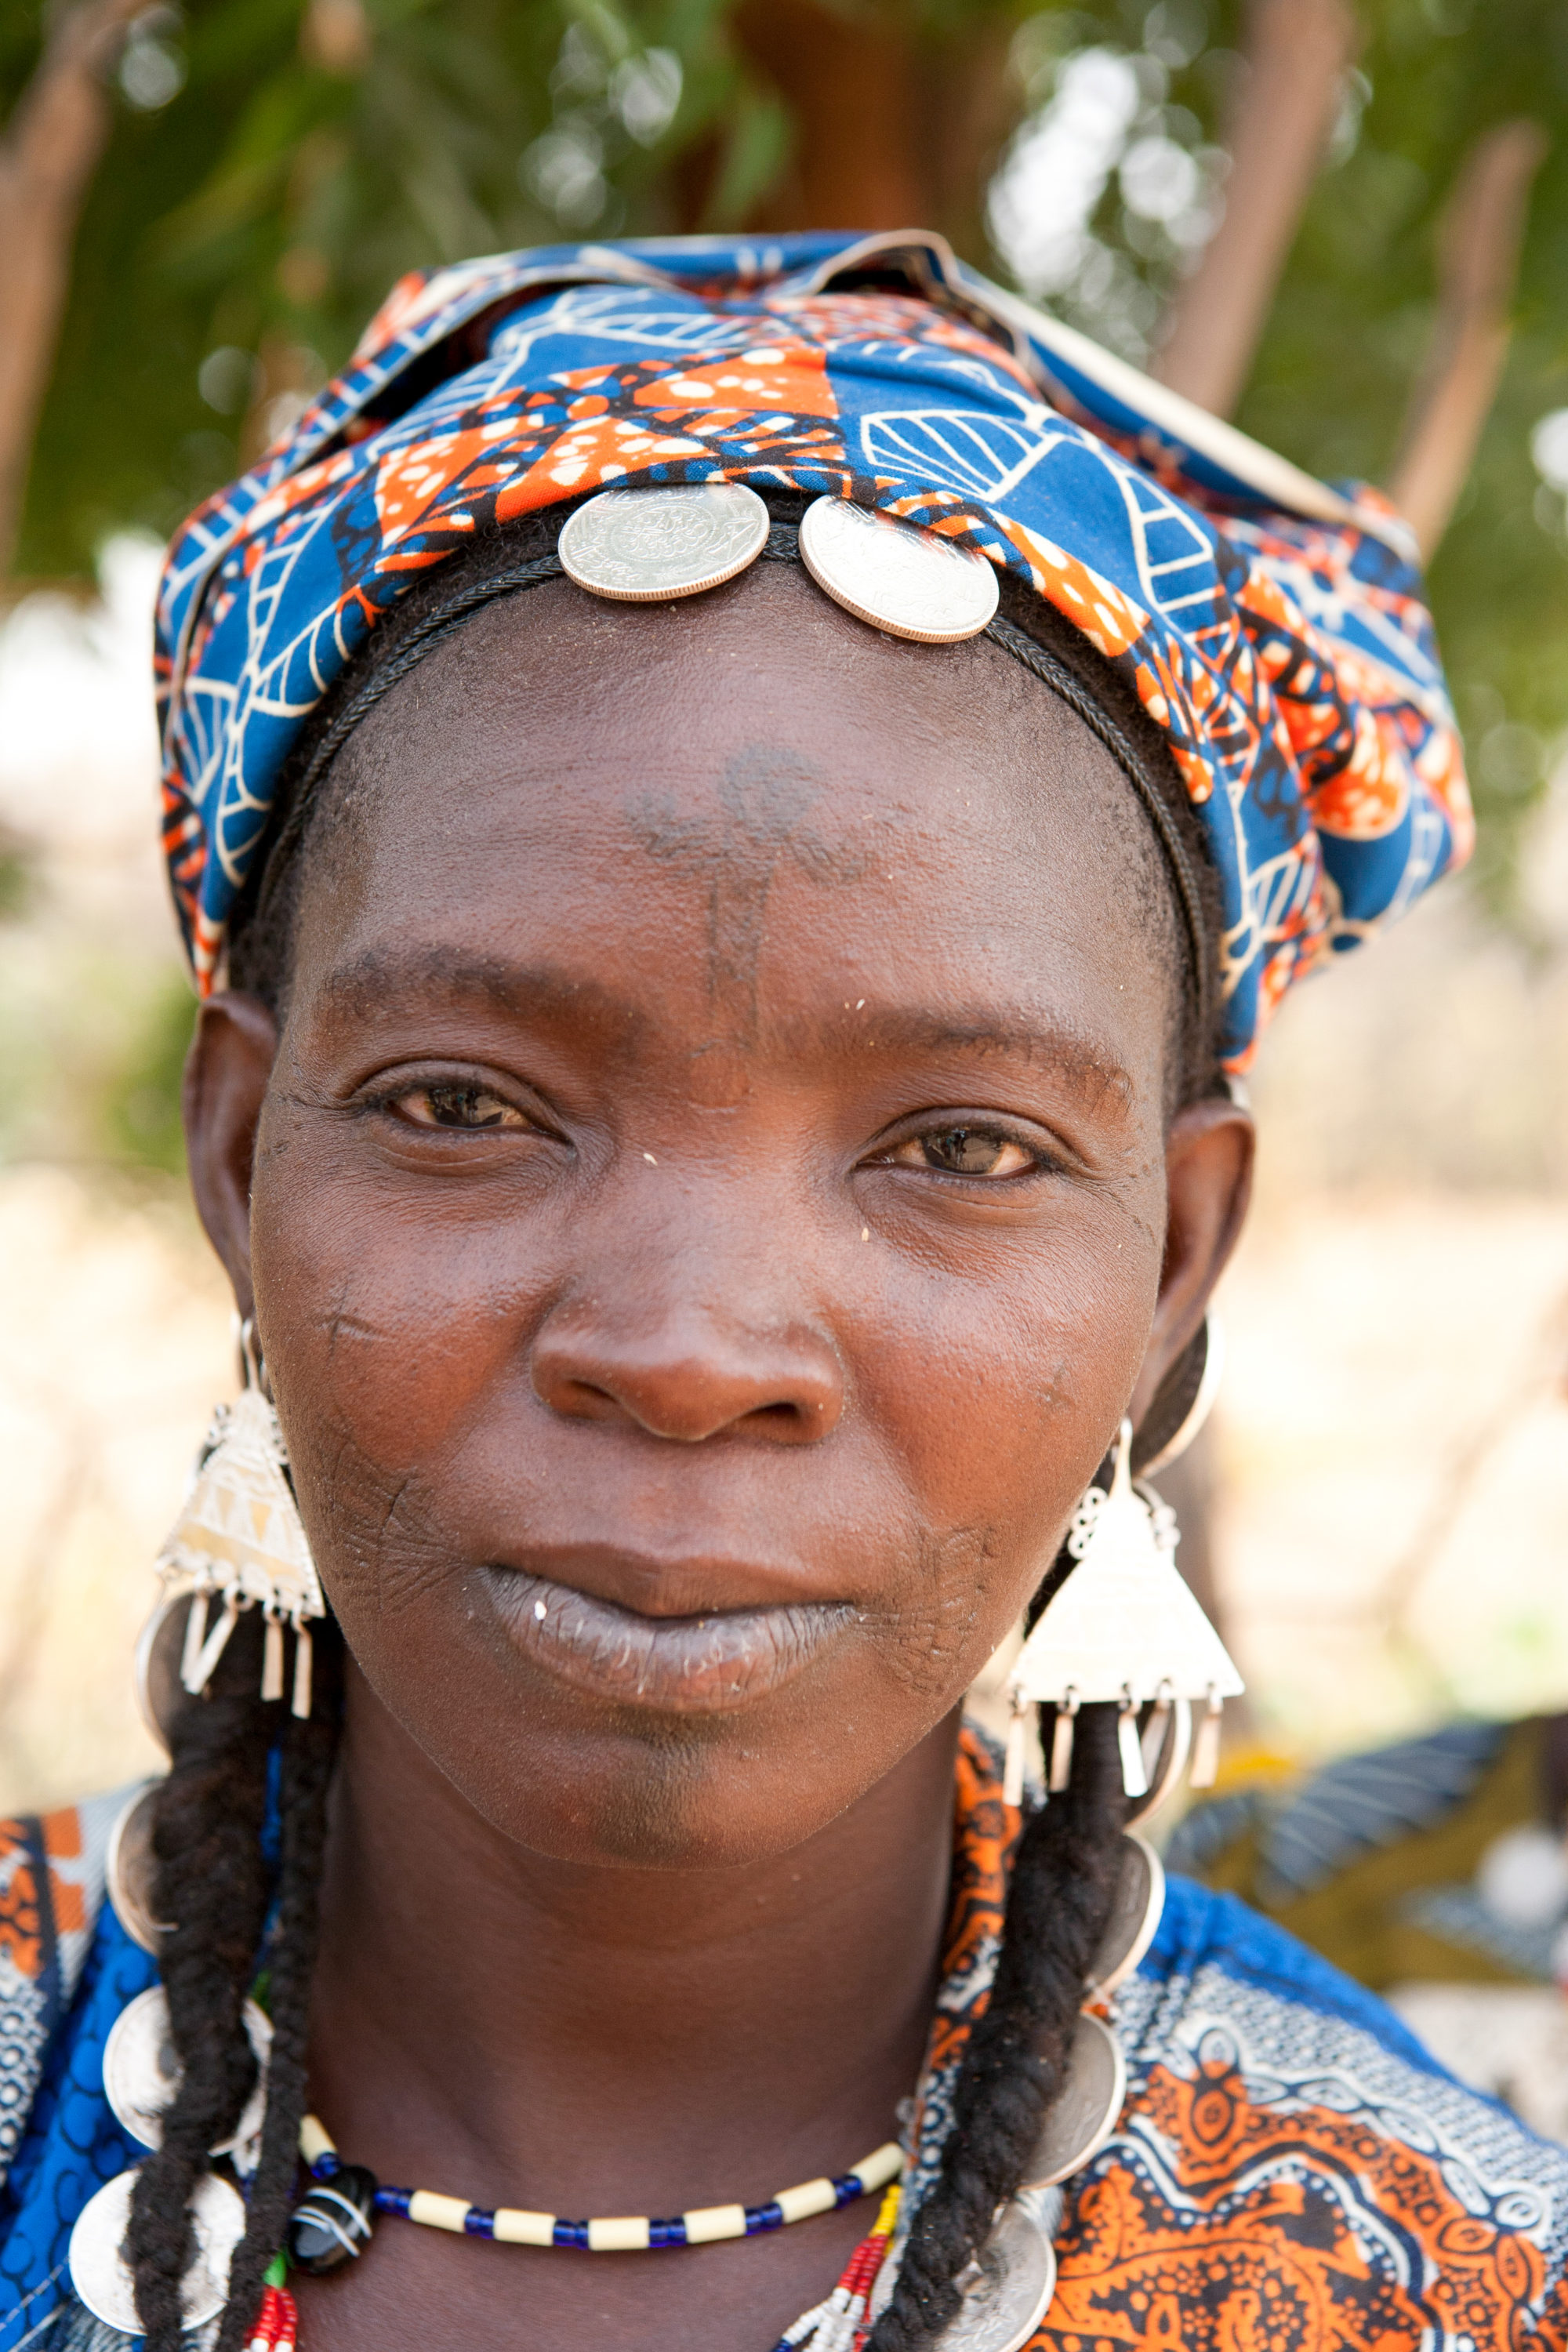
point(212, 1885)
point(210, 1813)
point(1014, 2065)
point(308, 1748)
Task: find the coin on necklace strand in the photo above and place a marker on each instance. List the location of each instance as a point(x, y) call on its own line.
point(677, 539)
point(101, 2276)
point(159, 1693)
point(129, 1870)
point(1007, 2289)
point(897, 576)
point(1135, 1912)
point(1082, 2116)
point(141, 2070)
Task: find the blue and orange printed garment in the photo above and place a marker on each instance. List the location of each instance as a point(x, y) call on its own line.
point(1274, 628)
point(67, 1971)
point(1290, 2173)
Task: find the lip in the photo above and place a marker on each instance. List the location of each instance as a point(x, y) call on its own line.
point(698, 1664)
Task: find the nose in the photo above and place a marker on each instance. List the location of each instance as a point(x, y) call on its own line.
point(687, 1373)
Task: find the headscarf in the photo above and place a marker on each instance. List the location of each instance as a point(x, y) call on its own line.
point(1274, 628)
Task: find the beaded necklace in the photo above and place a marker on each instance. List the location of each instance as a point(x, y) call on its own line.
point(333, 2220)
point(336, 2219)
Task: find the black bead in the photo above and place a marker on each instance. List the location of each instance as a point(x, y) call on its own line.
point(332, 2222)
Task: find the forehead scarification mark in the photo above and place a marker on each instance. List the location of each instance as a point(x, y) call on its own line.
point(765, 797)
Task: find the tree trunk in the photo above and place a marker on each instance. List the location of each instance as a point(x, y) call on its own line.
point(1483, 229)
point(1295, 55)
point(894, 128)
point(48, 156)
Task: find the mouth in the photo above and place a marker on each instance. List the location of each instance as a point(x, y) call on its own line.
point(697, 1665)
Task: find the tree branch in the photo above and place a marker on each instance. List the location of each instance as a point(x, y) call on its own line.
point(1296, 52)
point(47, 155)
point(1479, 249)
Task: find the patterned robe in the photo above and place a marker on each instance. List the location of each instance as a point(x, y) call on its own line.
point(1291, 2173)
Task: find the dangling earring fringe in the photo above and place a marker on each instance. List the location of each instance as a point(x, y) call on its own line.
point(203, 1665)
point(239, 1541)
point(1061, 1742)
point(302, 1672)
point(1155, 1730)
point(196, 1640)
point(1206, 1747)
point(1134, 1779)
point(1124, 1627)
point(1013, 1769)
point(272, 1659)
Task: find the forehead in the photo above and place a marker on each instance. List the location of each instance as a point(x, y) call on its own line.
point(624, 777)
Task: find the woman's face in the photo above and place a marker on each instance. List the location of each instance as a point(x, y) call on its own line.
point(710, 1203)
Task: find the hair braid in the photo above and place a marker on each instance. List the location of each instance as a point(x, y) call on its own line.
point(211, 1887)
point(308, 1749)
point(1064, 1882)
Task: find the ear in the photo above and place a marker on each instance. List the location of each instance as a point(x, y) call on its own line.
point(1208, 1175)
point(226, 1073)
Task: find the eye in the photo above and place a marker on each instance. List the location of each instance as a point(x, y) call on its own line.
point(456, 1106)
point(965, 1151)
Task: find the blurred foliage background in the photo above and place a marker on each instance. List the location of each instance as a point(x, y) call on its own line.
point(272, 167)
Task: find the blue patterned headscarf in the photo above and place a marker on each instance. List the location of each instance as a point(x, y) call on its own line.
point(1275, 629)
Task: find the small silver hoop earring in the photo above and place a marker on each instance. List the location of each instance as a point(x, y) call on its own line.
point(1186, 1398)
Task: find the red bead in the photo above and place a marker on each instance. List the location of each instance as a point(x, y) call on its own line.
point(276, 2323)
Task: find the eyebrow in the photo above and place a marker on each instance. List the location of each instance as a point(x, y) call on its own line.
point(456, 976)
point(1013, 1032)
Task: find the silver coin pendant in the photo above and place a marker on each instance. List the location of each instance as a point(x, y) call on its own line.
point(1135, 1917)
point(159, 1693)
point(141, 2071)
point(1008, 2290)
point(895, 575)
point(677, 539)
point(98, 2267)
point(132, 1867)
point(1083, 2116)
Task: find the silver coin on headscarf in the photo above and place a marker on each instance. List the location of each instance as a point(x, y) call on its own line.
point(141, 2070)
point(1082, 2118)
point(129, 1868)
point(639, 547)
point(1134, 1916)
point(897, 576)
point(102, 2278)
point(1008, 2290)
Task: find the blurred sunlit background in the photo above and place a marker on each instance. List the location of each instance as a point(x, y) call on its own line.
point(1346, 227)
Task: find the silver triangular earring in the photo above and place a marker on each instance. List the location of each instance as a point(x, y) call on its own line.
point(1124, 1627)
point(239, 1541)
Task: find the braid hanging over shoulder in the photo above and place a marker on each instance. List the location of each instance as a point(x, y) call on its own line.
point(212, 1885)
point(1064, 1883)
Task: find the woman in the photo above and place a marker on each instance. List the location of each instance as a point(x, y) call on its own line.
point(716, 1111)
